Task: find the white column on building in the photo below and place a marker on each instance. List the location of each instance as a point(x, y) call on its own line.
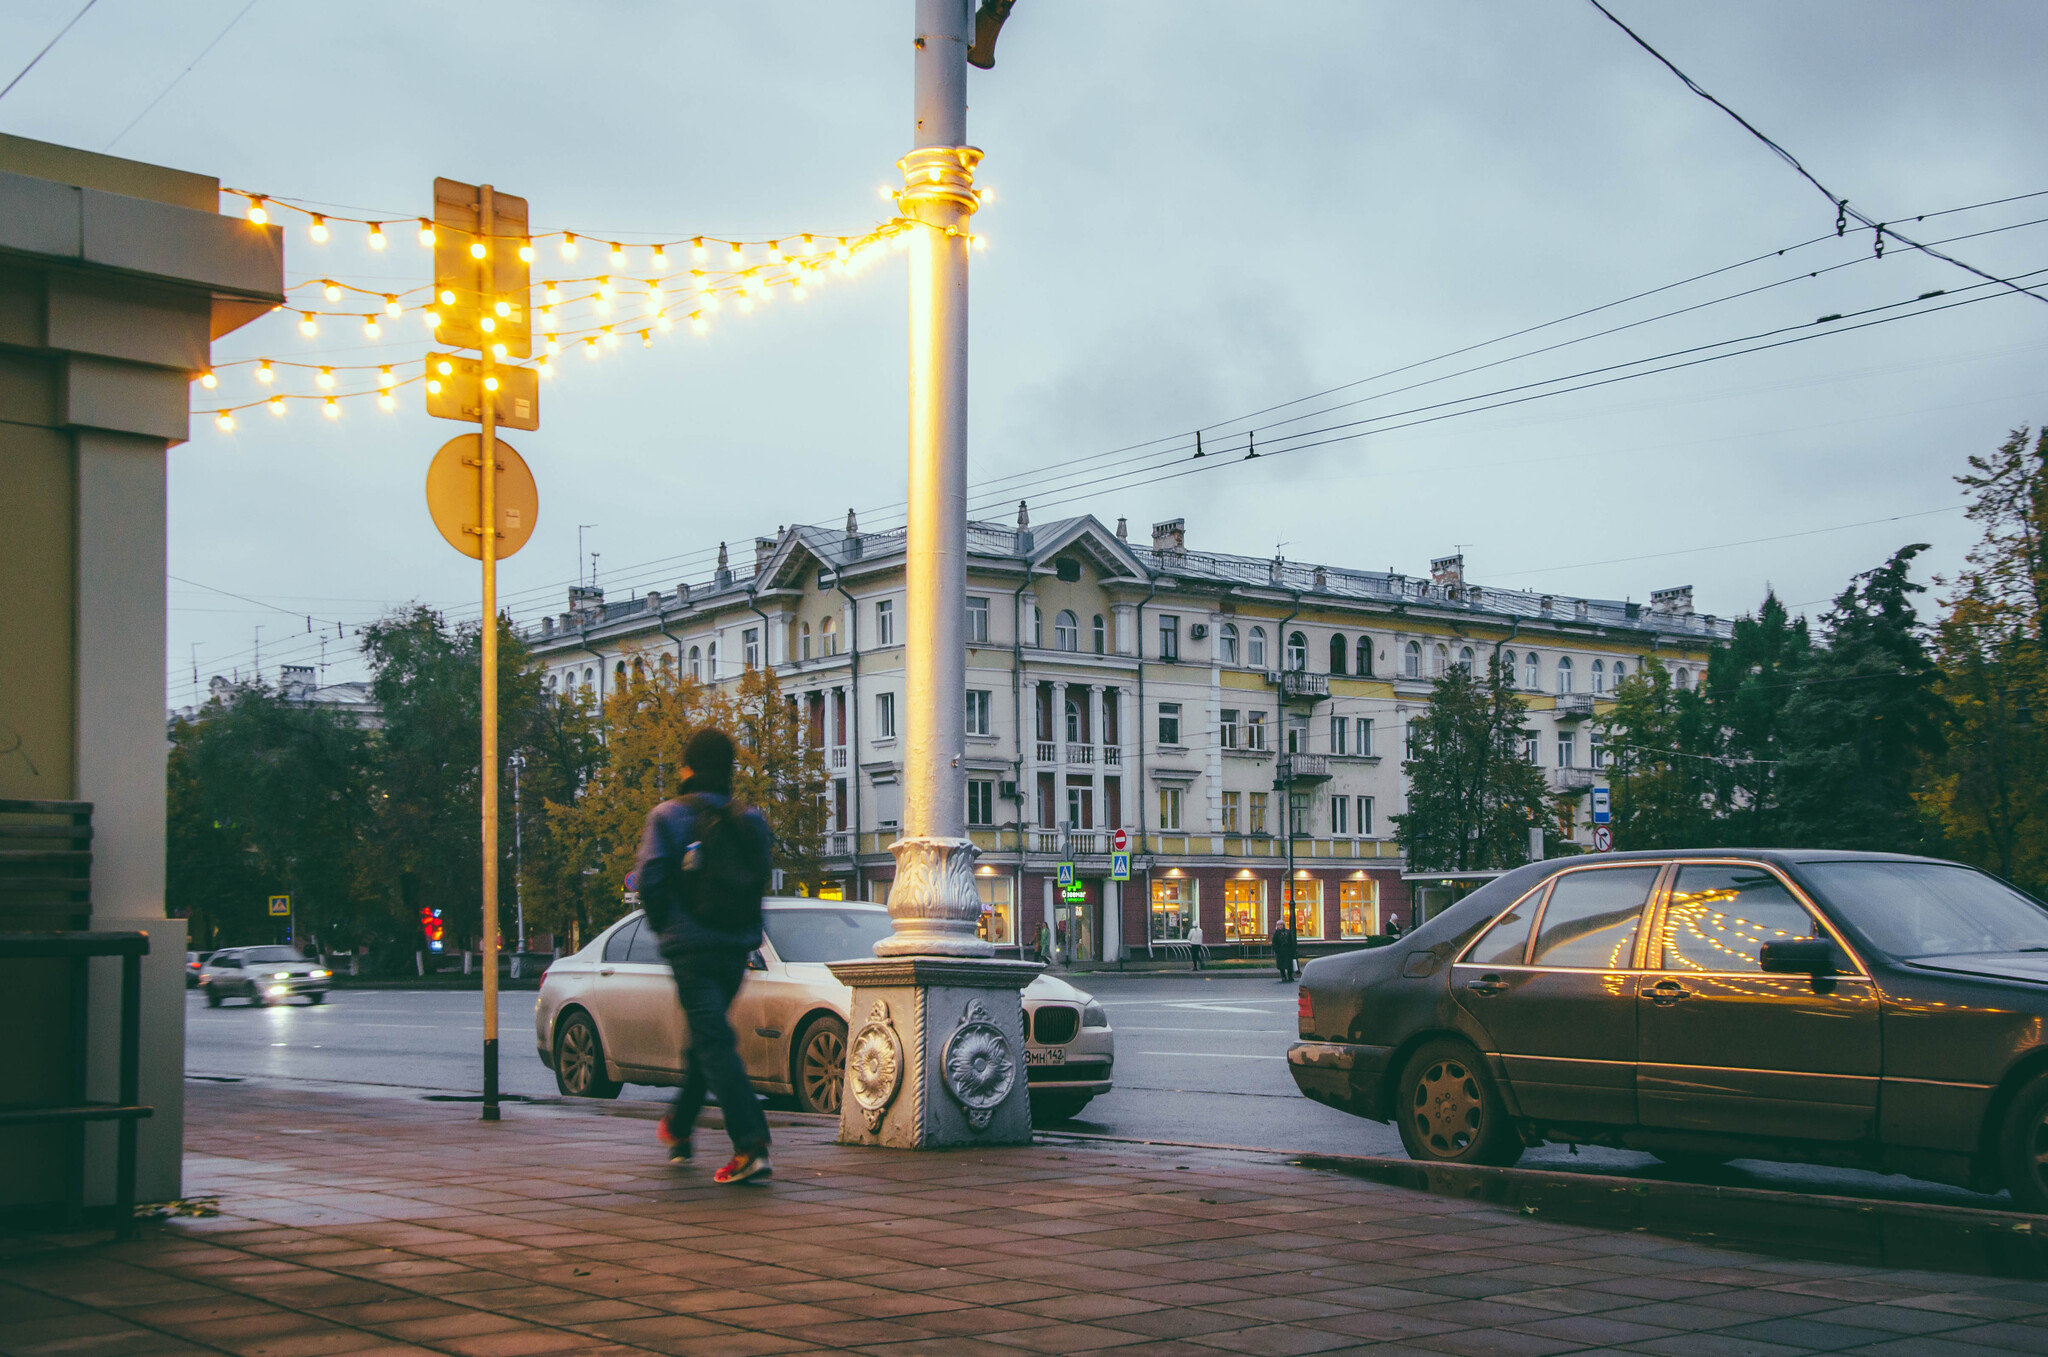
point(1126, 621)
point(1059, 727)
point(1095, 735)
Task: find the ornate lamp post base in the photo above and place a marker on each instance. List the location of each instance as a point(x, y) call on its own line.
point(936, 1053)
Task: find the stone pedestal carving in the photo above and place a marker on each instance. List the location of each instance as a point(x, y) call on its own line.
point(936, 1056)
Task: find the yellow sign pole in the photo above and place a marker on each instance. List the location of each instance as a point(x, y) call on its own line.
point(487, 480)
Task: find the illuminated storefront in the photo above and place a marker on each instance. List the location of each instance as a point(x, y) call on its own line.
point(1173, 906)
point(1358, 908)
point(1305, 894)
point(1244, 910)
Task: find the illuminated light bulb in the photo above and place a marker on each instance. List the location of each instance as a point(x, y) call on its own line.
point(550, 293)
point(371, 329)
point(554, 345)
point(662, 321)
point(265, 373)
point(309, 326)
point(886, 192)
point(318, 230)
point(698, 323)
point(654, 290)
point(503, 308)
point(208, 380)
point(590, 349)
point(611, 340)
point(226, 420)
point(426, 233)
point(433, 386)
point(697, 249)
point(332, 408)
point(605, 288)
point(746, 304)
point(799, 290)
point(568, 244)
point(498, 349)
point(391, 306)
point(385, 377)
point(376, 235)
point(326, 378)
point(660, 259)
point(490, 383)
point(277, 406)
point(432, 319)
point(477, 250)
point(807, 244)
point(258, 213)
point(933, 174)
point(332, 290)
point(547, 315)
point(988, 195)
point(710, 301)
point(978, 242)
point(739, 256)
point(526, 251)
point(618, 255)
point(445, 368)
point(447, 296)
point(646, 340)
point(387, 401)
point(545, 368)
point(601, 306)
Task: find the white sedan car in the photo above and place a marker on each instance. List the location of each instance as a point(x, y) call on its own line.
point(608, 1014)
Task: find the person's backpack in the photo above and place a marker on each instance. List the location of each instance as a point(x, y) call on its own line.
point(720, 884)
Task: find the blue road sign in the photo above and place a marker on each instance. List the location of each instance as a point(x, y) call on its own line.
point(1119, 866)
point(1066, 873)
point(1601, 814)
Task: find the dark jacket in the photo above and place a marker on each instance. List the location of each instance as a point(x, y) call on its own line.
point(1283, 941)
point(672, 828)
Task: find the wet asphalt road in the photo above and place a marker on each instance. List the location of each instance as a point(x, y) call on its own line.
point(1198, 1058)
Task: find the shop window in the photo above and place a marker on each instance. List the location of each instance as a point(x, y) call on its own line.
point(1173, 907)
point(1358, 908)
point(998, 922)
point(1244, 910)
point(1306, 898)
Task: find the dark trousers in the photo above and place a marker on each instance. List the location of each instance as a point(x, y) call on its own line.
point(1198, 956)
point(1285, 961)
point(706, 983)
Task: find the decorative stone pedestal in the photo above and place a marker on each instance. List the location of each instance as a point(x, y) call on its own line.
point(935, 1053)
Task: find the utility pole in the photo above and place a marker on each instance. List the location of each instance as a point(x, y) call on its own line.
point(487, 511)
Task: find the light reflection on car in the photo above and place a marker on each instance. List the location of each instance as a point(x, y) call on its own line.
point(608, 1016)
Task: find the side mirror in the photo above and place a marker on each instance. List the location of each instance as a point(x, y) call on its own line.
point(1799, 956)
point(755, 961)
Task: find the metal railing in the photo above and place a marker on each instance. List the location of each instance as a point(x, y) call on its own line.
point(1048, 752)
point(1574, 779)
point(1113, 756)
point(1304, 767)
point(839, 843)
point(1574, 706)
point(1081, 754)
point(1299, 683)
point(838, 756)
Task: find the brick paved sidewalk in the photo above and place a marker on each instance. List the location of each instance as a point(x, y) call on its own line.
point(383, 1223)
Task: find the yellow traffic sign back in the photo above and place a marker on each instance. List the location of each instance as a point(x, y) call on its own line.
point(454, 496)
point(478, 284)
point(455, 390)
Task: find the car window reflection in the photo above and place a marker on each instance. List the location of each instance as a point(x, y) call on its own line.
point(1590, 922)
point(1720, 916)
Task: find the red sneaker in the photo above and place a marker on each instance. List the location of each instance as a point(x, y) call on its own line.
point(744, 1166)
point(678, 1146)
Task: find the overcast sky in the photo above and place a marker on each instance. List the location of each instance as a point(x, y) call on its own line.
point(1202, 210)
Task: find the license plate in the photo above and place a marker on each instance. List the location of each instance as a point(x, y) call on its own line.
point(1053, 1055)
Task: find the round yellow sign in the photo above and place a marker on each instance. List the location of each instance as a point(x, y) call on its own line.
point(454, 496)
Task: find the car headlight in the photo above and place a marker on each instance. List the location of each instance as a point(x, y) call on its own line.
point(319, 975)
point(280, 975)
point(1093, 1016)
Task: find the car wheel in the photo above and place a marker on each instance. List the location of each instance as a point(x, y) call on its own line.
point(579, 1060)
point(2023, 1146)
point(820, 1066)
point(1058, 1106)
point(213, 998)
point(1450, 1111)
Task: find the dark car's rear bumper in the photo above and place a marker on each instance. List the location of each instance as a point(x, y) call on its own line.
point(1340, 1075)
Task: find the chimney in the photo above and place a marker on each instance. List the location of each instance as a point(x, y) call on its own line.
point(654, 600)
point(682, 593)
point(295, 682)
point(568, 621)
point(724, 575)
point(1123, 529)
point(1322, 580)
point(764, 547)
point(586, 599)
point(853, 542)
point(1448, 572)
point(1026, 543)
point(547, 626)
point(1172, 535)
point(1677, 602)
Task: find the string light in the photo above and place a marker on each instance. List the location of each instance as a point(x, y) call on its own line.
point(387, 401)
point(376, 235)
point(498, 349)
point(226, 421)
point(568, 244)
point(697, 249)
point(276, 404)
point(550, 293)
point(371, 329)
point(698, 323)
point(266, 373)
point(426, 233)
point(503, 308)
point(545, 368)
point(618, 255)
point(444, 367)
point(257, 212)
point(332, 290)
point(432, 319)
point(611, 340)
point(490, 383)
point(332, 408)
point(384, 377)
point(318, 230)
point(554, 345)
point(326, 378)
point(391, 306)
point(433, 386)
point(488, 324)
point(208, 380)
point(590, 348)
point(646, 339)
point(477, 250)
point(739, 256)
point(307, 325)
point(447, 296)
point(660, 260)
point(526, 251)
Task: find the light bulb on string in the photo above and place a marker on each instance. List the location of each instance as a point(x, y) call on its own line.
point(550, 294)
point(433, 386)
point(654, 291)
point(698, 323)
point(391, 306)
point(447, 296)
point(611, 339)
point(371, 329)
point(385, 376)
point(545, 368)
point(265, 373)
point(503, 308)
point(258, 213)
point(276, 404)
point(739, 256)
point(568, 244)
point(618, 255)
point(697, 249)
point(332, 408)
point(498, 350)
point(318, 230)
point(605, 288)
point(387, 401)
point(426, 233)
point(477, 250)
point(326, 378)
point(547, 315)
point(978, 242)
point(807, 244)
point(660, 259)
point(226, 420)
point(331, 289)
point(208, 380)
point(307, 325)
point(646, 339)
point(444, 367)
point(798, 290)
point(526, 251)
point(490, 383)
point(590, 349)
point(553, 345)
point(432, 318)
point(376, 235)
point(662, 321)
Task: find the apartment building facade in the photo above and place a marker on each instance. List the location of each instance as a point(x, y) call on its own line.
point(1243, 721)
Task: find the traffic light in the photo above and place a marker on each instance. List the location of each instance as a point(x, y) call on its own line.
point(481, 276)
point(430, 927)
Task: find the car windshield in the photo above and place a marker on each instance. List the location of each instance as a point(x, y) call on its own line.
point(271, 954)
point(825, 934)
point(1925, 909)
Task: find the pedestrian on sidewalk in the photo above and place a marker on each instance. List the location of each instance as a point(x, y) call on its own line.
point(1041, 944)
point(704, 864)
point(1283, 950)
point(1198, 955)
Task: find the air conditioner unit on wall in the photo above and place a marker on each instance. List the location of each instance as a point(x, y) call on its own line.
point(1009, 790)
point(1198, 632)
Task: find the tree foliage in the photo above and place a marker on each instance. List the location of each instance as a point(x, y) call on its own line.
point(1473, 797)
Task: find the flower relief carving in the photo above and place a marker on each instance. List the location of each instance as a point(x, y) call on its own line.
point(874, 1066)
point(979, 1067)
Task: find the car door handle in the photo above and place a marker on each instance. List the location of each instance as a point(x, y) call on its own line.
point(605, 970)
point(1665, 993)
point(1487, 984)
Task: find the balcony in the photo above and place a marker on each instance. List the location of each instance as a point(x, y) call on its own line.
point(1081, 754)
point(1304, 768)
point(1574, 706)
point(1574, 779)
point(1300, 683)
point(839, 843)
point(1048, 752)
point(1112, 756)
point(838, 756)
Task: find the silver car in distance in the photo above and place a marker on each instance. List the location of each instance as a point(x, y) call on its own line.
point(608, 1016)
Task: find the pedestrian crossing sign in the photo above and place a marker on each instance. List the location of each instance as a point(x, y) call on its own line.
point(1119, 866)
point(280, 906)
point(1066, 873)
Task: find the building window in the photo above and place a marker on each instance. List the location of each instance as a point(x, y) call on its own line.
point(1256, 824)
point(1364, 667)
point(1173, 907)
point(1685, 678)
point(1364, 817)
point(1169, 723)
point(1305, 898)
point(1075, 733)
point(1619, 672)
point(1244, 910)
point(1358, 908)
point(804, 633)
point(1567, 749)
point(1507, 667)
point(981, 802)
point(1298, 803)
point(1297, 651)
point(750, 647)
point(1037, 625)
point(1532, 673)
point(885, 716)
point(1101, 628)
point(828, 636)
point(977, 619)
point(1226, 643)
point(1255, 731)
point(1226, 733)
point(1255, 656)
point(1169, 808)
point(1599, 676)
point(1596, 750)
point(978, 708)
point(1081, 807)
point(1364, 737)
point(1564, 673)
point(1410, 741)
point(1066, 631)
point(1411, 660)
point(1340, 816)
point(1233, 812)
point(998, 923)
point(1340, 732)
point(885, 621)
point(1338, 651)
point(1443, 661)
point(1466, 659)
point(1532, 747)
point(1297, 735)
point(1169, 636)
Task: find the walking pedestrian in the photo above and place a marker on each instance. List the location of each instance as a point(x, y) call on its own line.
point(1283, 950)
point(1198, 955)
point(704, 864)
point(1041, 944)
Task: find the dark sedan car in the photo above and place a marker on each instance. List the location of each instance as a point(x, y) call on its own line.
point(1860, 1009)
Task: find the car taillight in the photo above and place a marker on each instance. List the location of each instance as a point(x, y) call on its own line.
point(1305, 1010)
